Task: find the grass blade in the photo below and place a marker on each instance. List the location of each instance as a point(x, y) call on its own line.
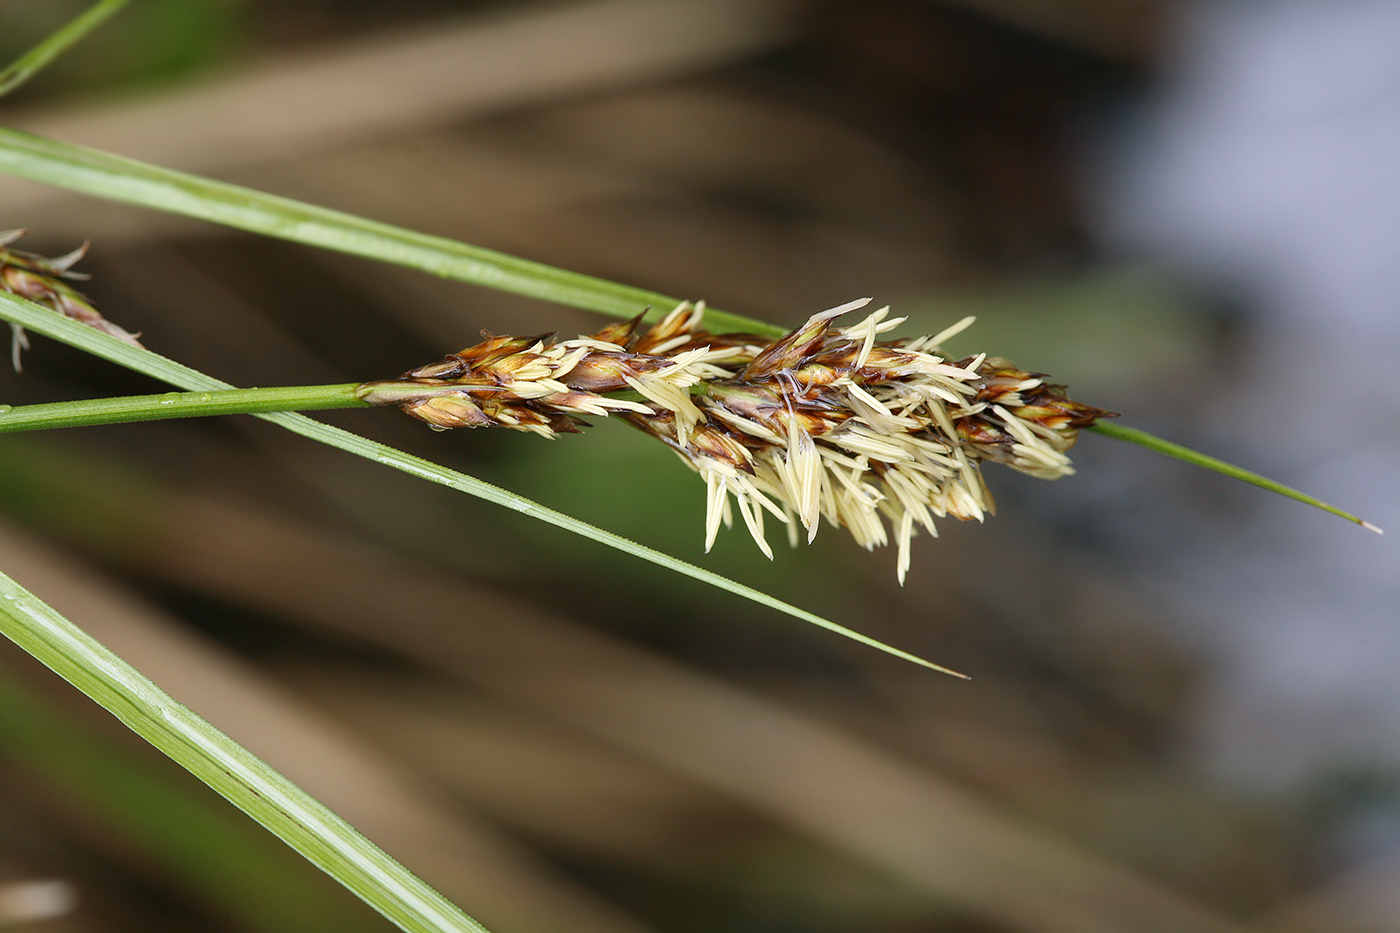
point(115, 178)
point(36, 59)
point(237, 774)
point(211, 850)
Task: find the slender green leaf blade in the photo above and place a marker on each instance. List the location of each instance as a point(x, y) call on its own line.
point(240, 776)
point(116, 178)
point(246, 875)
point(36, 59)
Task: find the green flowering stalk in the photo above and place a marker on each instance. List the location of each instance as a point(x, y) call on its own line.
point(876, 436)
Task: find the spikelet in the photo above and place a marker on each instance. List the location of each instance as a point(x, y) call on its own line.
point(827, 423)
point(42, 281)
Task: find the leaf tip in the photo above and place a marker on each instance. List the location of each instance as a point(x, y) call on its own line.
point(933, 667)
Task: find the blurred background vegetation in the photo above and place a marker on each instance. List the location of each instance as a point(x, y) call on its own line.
point(554, 735)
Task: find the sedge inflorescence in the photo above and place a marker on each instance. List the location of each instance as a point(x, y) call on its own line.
point(45, 281)
point(878, 436)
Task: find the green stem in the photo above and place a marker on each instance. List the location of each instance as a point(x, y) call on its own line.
point(1157, 444)
point(32, 62)
point(175, 405)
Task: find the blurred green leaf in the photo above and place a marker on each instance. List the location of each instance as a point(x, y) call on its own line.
point(173, 822)
point(36, 59)
point(155, 41)
point(245, 780)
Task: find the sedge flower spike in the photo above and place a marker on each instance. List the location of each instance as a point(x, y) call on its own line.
point(828, 423)
point(45, 281)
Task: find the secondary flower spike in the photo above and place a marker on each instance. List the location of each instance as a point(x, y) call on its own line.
point(43, 281)
point(877, 436)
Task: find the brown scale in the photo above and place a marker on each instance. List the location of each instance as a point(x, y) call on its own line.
point(777, 407)
point(607, 372)
point(1046, 404)
point(706, 440)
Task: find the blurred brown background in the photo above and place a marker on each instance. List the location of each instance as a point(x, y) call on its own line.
point(562, 738)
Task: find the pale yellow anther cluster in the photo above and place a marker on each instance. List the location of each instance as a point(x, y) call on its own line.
point(887, 451)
